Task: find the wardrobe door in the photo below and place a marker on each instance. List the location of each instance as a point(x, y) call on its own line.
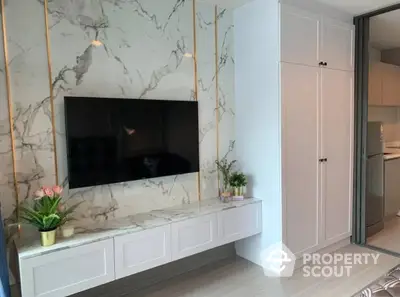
point(337, 148)
point(300, 157)
point(300, 36)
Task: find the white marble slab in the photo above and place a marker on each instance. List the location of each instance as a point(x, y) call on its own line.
point(28, 241)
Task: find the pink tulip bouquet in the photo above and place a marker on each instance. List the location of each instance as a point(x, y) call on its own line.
point(47, 212)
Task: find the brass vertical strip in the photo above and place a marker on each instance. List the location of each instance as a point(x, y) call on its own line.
point(217, 86)
point(53, 122)
point(196, 82)
point(10, 107)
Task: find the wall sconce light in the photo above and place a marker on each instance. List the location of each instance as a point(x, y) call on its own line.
point(97, 43)
point(188, 55)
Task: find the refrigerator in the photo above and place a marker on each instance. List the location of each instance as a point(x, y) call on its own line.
point(375, 179)
point(4, 281)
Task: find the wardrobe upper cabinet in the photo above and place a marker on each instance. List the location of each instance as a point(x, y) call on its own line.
point(310, 39)
point(337, 43)
point(299, 36)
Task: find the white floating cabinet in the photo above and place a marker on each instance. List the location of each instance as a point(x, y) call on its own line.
point(60, 273)
point(141, 251)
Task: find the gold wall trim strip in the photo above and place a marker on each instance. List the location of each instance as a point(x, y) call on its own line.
point(53, 122)
point(196, 82)
point(10, 107)
point(217, 88)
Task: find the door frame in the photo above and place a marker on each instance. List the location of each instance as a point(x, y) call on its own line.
point(362, 26)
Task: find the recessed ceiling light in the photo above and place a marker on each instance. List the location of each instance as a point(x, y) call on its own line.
point(97, 43)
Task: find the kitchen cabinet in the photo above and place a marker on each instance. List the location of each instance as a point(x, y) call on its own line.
point(392, 187)
point(375, 84)
point(390, 84)
point(310, 39)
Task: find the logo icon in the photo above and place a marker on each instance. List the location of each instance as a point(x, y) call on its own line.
point(278, 261)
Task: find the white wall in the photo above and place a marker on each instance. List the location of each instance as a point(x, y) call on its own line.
point(375, 55)
point(258, 116)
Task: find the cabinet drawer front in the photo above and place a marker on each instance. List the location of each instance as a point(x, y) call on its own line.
point(238, 223)
point(141, 251)
point(194, 236)
point(69, 271)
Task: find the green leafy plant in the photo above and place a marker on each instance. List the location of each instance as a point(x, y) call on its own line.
point(225, 168)
point(47, 212)
point(237, 180)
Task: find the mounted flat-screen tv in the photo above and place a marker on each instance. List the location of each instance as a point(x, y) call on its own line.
point(113, 140)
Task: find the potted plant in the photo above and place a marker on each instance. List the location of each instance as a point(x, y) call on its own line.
point(238, 181)
point(47, 213)
point(225, 168)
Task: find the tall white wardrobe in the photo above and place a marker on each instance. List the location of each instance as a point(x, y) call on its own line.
point(294, 92)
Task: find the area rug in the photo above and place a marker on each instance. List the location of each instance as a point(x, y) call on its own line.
point(386, 286)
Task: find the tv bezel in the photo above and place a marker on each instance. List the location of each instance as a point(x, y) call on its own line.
point(68, 98)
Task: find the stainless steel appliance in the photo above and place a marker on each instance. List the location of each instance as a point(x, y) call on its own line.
point(375, 178)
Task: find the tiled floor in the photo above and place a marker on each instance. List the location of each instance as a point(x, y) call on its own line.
point(240, 278)
point(389, 237)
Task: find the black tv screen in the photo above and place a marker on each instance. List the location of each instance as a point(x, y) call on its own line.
point(117, 140)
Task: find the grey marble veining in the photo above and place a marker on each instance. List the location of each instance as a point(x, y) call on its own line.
point(141, 55)
point(28, 243)
point(7, 191)
point(34, 148)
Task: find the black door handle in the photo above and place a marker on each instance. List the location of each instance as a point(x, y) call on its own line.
point(321, 63)
point(325, 64)
point(323, 160)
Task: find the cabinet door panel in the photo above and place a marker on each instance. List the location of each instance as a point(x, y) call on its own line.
point(300, 92)
point(337, 127)
point(375, 84)
point(142, 250)
point(237, 223)
point(299, 36)
point(69, 271)
point(390, 84)
point(337, 43)
point(194, 236)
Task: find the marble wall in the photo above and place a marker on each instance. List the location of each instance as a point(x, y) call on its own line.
point(113, 48)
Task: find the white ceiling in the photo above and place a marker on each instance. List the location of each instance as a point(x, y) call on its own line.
point(357, 7)
point(227, 3)
point(354, 7)
point(385, 30)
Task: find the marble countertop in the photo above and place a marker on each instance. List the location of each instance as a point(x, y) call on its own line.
point(28, 240)
point(391, 156)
